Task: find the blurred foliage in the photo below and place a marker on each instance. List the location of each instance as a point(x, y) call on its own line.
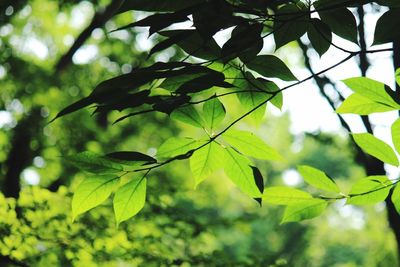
point(215, 225)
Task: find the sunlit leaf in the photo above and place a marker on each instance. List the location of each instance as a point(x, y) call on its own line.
point(396, 198)
point(189, 115)
point(396, 134)
point(238, 169)
point(175, 146)
point(371, 89)
point(251, 145)
point(303, 210)
point(370, 190)
point(281, 195)
point(91, 192)
point(376, 148)
point(129, 199)
point(358, 104)
point(214, 112)
point(206, 161)
point(318, 179)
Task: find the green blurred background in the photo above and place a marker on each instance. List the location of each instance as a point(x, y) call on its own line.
point(214, 225)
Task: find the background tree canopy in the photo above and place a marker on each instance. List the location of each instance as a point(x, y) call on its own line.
point(176, 113)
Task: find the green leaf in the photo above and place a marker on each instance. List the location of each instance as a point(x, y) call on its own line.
point(94, 163)
point(370, 190)
point(214, 112)
point(358, 104)
point(318, 179)
point(371, 89)
point(251, 145)
point(129, 199)
point(272, 67)
point(206, 161)
point(289, 24)
point(282, 195)
point(303, 210)
point(376, 148)
point(386, 29)
point(176, 146)
point(320, 36)
point(395, 129)
point(91, 192)
point(189, 115)
point(396, 198)
point(238, 169)
point(340, 20)
point(397, 76)
point(271, 87)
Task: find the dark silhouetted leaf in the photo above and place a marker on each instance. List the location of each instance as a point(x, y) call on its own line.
point(320, 36)
point(157, 5)
point(258, 178)
point(289, 24)
point(272, 67)
point(339, 19)
point(129, 156)
point(243, 39)
point(195, 45)
point(158, 22)
point(171, 103)
point(386, 29)
point(203, 82)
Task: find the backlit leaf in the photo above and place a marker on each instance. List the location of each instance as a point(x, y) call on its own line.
point(396, 198)
point(214, 112)
point(91, 192)
point(369, 190)
point(238, 169)
point(205, 161)
point(129, 199)
point(281, 195)
point(188, 114)
point(396, 135)
point(376, 148)
point(251, 145)
point(175, 146)
point(303, 210)
point(371, 89)
point(358, 104)
point(318, 179)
